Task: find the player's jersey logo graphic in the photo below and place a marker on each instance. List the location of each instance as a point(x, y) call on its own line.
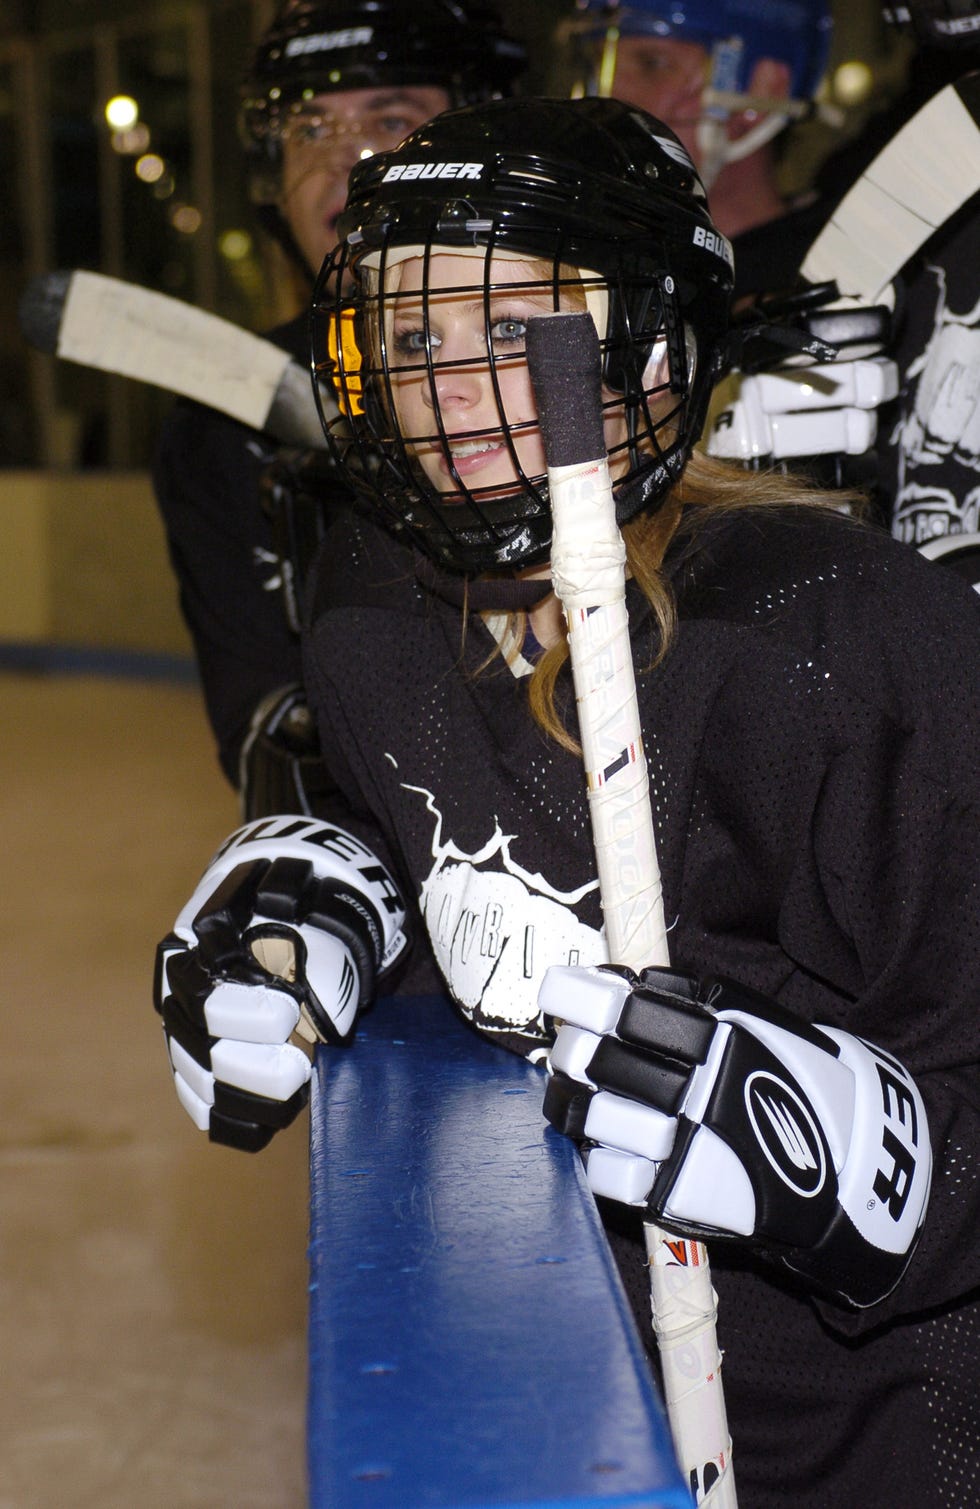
point(787, 1133)
point(495, 928)
point(939, 436)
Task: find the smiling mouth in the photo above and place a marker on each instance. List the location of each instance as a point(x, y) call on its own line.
point(468, 448)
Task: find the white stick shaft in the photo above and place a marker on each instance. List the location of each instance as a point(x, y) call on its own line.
point(684, 1308)
point(617, 784)
point(588, 569)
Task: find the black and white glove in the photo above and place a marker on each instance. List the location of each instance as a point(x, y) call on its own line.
point(806, 382)
point(724, 1116)
point(291, 928)
point(800, 412)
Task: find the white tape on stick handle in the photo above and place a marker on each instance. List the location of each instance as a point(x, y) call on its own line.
point(589, 573)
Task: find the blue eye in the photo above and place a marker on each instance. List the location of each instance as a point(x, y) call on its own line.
point(412, 342)
point(507, 329)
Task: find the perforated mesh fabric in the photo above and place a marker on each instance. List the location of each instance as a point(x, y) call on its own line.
point(812, 741)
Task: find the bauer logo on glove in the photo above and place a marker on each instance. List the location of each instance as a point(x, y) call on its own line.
point(722, 1115)
point(290, 929)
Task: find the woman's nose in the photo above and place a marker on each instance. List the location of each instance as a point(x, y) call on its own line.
point(458, 382)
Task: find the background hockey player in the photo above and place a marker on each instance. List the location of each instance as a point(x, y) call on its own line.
point(809, 694)
point(330, 81)
point(728, 76)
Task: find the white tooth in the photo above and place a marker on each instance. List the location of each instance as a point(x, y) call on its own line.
point(472, 448)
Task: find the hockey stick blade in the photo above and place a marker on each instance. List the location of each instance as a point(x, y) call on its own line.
point(588, 567)
point(119, 327)
point(928, 171)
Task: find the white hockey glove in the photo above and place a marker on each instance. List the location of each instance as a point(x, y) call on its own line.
point(325, 917)
point(806, 381)
point(725, 1116)
point(798, 412)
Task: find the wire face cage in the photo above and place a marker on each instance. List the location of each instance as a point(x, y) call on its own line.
point(423, 343)
point(481, 220)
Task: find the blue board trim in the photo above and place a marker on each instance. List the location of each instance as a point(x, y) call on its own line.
point(470, 1343)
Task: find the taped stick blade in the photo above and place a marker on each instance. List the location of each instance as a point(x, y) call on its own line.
point(119, 327)
point(922, 177)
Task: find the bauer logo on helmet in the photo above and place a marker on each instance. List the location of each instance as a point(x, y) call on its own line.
point(712, 241)
point(411, 170)
point(328, 41)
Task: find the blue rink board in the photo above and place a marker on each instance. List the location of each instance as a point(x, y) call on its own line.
point(469, 1340)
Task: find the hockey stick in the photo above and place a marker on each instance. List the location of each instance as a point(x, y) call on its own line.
point(120, 327)
point(588, 570)
point(922, 176)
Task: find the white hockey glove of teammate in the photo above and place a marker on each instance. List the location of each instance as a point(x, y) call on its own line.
point(325, 917)
point(724, 1116)
point(807, 380)
point(797, 412)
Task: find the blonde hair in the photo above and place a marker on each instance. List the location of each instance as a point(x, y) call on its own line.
point(708, 487)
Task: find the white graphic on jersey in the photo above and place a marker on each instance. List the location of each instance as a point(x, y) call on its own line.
point(495, 928)
point(943, 426)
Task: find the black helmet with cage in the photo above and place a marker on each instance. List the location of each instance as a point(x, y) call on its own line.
point(588, 199)
point(316, 47)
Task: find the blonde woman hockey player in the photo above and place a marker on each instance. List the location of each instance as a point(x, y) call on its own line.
point(800, 1087)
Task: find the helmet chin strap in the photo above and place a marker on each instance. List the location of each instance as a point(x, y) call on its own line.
point(720, 100)
point(717, 150)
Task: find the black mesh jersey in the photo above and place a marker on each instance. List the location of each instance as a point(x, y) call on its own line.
point(812, 743)
point(206, 476)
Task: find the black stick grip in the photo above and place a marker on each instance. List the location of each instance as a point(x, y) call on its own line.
point(40, 309)
point(565, 364)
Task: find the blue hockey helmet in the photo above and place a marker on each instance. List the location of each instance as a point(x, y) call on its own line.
point(794, 32)
point(735, 35)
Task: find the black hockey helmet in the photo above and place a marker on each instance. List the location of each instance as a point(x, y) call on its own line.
point(604, 203)
point(318, 47)
point(938, 23)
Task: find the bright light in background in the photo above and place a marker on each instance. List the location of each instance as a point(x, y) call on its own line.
point(122, 112)
point(150, 167)
point(186, 219)
point(852, 83)
point(130, 143)
point(235, 246)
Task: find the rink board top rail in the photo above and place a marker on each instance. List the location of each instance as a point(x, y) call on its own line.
point(469, 1340)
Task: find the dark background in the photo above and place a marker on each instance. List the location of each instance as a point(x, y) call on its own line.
point(73, 201)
